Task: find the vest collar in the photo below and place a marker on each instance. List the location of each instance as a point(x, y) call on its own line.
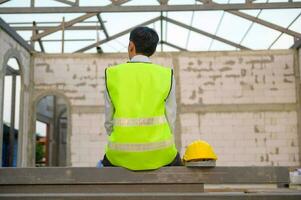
point(140, 58)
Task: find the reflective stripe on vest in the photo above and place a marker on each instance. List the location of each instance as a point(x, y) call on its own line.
point(141, 147)
point(139, 121)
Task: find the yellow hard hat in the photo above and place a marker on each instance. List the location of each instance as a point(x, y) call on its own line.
point(199, 150)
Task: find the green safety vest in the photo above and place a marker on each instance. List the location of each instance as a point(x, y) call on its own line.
point(141, 138)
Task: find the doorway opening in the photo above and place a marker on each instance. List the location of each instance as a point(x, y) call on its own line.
point(51, 131)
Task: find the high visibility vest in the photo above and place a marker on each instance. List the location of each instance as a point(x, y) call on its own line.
point(141, 138)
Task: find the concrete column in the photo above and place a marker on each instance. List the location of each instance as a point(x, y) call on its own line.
point(12, 122)
point(175, 63)
point(298, 97)
point(2, 74)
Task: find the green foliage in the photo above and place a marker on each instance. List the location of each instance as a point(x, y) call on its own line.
point(39, 152)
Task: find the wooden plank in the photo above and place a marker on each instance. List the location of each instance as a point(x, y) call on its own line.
point(115, 175)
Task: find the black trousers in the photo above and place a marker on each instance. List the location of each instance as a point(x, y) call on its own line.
point(176, 162)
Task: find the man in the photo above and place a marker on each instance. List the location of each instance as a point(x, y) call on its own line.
point(140, 108)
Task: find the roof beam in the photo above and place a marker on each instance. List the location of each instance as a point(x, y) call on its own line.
point(69, 40)
point(66, 2)
point(3, 1)
point(65, 25)
point(173, 46)
point(102, 25)
point(119, 2)
point(150, 8)
point(259, 21)
point(49, 22)
point(265, 23)
point(292, 22)
point(205, 33)
point(71, 28)
point(116, 35)
point(37, 32)
point(163, 2)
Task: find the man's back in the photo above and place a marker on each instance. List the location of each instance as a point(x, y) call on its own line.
point(141, 138)
point(139, 84)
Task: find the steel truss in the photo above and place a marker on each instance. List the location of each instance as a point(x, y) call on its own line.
point(73, 6)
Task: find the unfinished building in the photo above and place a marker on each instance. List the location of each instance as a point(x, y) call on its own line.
point(246, 103)
point(237, 77)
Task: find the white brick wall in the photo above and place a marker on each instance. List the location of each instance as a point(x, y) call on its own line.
point(88, 139)
point(228, 79)
point(239, 138)
point(265, 138)
point(81, 79)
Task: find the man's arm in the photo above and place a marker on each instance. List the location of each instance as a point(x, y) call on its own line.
point(109, 111)
point(171, 106)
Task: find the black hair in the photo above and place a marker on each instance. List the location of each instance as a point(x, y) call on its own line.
point(145, 40)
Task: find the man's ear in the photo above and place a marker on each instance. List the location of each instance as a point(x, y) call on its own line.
point(132, 47)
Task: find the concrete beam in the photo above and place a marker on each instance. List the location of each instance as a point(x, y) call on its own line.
point(150, 8)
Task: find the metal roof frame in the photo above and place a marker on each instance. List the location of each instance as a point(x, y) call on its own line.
point(39, 31)
point(150, 8)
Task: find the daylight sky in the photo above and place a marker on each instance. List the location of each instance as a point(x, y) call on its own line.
point(220, 23)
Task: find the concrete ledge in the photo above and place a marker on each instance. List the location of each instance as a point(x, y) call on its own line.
point(166, 175)
point(289, 195)
point(118, 183)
